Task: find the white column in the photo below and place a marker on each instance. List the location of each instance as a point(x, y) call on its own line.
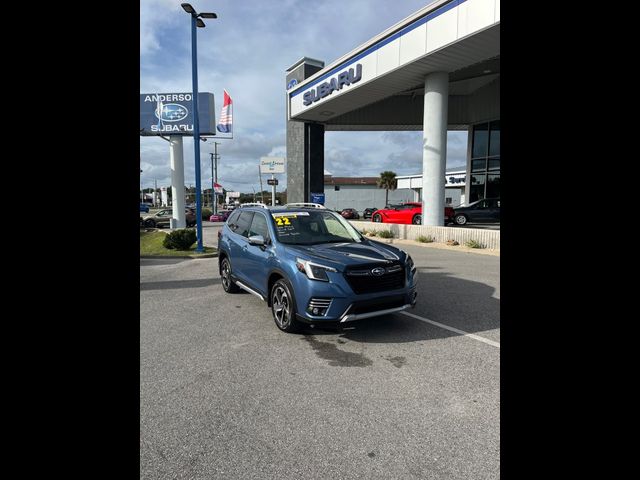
point(177, 180)
point(434, 150)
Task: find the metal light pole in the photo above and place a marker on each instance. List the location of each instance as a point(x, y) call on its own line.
point(196, 22)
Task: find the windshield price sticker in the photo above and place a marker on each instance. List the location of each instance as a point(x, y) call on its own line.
point(282, 221)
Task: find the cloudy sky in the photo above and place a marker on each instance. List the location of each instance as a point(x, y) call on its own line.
point(246, 51)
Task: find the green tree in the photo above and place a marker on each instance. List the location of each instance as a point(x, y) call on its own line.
point(387, 181)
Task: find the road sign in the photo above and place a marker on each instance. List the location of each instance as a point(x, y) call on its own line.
point(272, 181)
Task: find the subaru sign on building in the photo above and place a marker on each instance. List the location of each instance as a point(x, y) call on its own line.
point(171, 114)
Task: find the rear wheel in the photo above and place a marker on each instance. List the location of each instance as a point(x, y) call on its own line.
point(377, 218)
point(283, 307)
point(225, 274)
point(417, 219)
point(460, 219)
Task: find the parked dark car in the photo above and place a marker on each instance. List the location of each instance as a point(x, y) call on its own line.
point(368, 212)
point(350, 213)
point(486, 210)
point(163, 218)
point(312, 266)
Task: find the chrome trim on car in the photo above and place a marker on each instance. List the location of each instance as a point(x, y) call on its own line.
point(360, 316)
point(250, 290)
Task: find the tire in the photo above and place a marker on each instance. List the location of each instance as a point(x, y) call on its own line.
point(283, 307)
point(225, 275)
point(150, 223)
point(377, 218)
point(417, 219)
point(460, 219)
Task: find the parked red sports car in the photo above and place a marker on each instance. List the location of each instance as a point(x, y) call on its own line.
point(410, 212)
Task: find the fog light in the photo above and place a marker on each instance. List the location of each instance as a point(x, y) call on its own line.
point(315, 311)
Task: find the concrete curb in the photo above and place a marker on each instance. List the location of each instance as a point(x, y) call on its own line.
point(205, 255)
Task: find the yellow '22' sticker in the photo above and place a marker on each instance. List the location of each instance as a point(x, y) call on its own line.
point(281, 221)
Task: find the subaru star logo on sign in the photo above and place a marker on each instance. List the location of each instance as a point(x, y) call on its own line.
point(378, 271)
point(292, 83)
point(170, 114)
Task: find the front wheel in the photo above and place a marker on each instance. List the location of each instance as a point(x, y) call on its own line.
point(150, 224)
point(460, 219)
point(377, 218)
point(417, 219)
point(225, 274)
point(283, 307)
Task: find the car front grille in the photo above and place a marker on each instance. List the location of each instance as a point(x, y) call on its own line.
point(362, 280)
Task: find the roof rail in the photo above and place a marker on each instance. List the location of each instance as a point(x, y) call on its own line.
point(305, 204)
point(253, 204)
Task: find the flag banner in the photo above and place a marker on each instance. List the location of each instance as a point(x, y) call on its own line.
point(226, 116)
point(217, 188)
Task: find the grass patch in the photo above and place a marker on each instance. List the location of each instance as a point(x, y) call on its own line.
point(151, 244)
point(385, 234)
point(423, 239)
point(474, 244)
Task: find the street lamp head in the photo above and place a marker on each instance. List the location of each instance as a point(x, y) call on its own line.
point(208, 15)
point(200, 23)
point(188, 8)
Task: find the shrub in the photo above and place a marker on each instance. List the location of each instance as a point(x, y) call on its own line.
point(385, 234)
point(474, 244)
point(423, 239)
point(364, 231)
point(452, 243)
point(180, 239)
point(373, 233)
point(206, 213)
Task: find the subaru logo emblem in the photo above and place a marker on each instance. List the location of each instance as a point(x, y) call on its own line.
point(172, 112)
point(378, 271)
point(292, 83)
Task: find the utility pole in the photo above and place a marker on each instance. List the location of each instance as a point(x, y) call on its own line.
point(155, 192)
point(215, 176)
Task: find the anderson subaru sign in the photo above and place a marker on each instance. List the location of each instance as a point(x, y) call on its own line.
point(171, 114)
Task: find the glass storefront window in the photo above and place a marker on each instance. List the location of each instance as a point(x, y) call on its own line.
point(479, 165)
point(493, 186)
point(480, 140)
point(494, 140)
point(485, 161)
point(476, 191)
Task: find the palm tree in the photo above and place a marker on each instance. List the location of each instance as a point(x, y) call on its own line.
point(387, 181)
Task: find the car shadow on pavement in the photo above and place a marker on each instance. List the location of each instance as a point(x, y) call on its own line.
point(463, 304)
point(172, 285)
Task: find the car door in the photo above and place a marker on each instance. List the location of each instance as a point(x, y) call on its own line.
point(480, 212)
point(238, 240)
point(163, 217)
point(258, 259)
point(493, 212)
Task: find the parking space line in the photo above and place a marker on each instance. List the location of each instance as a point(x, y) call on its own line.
point(453, 329)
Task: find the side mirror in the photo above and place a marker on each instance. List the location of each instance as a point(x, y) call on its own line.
point(256, 240)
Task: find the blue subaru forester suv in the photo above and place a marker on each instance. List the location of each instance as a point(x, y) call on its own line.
point(312, 266)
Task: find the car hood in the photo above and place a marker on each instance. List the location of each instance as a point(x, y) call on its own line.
point(340, 255)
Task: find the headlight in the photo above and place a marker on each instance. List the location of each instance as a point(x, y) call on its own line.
point(314, 271)
point(410, 265)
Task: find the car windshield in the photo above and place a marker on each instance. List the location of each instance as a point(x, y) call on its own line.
point(313, 227)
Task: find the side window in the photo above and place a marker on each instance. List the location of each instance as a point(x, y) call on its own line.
point(482, 204)
point(259, 226)
point(233, 218)
point(243, 223)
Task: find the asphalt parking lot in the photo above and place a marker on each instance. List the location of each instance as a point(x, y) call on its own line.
point(225, 394)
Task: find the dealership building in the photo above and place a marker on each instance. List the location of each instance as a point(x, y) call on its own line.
point(436, 70)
